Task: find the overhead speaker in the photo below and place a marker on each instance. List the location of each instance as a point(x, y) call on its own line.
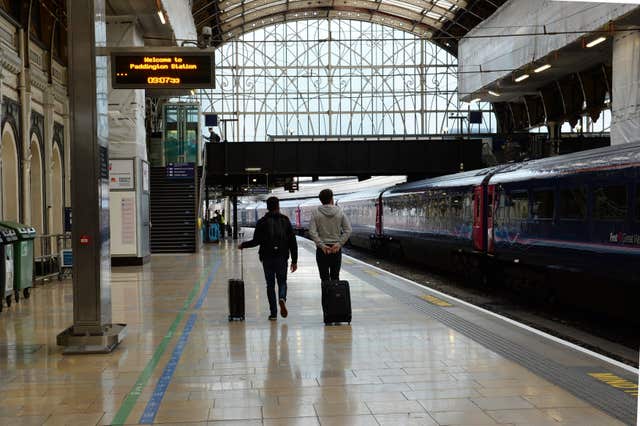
point(475, 117)
point(210, 120)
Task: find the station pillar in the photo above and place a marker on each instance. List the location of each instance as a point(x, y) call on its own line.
point(92, 330)
point(625, 91)
point(235, 217)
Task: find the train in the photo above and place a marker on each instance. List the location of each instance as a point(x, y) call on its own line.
point(560, 229)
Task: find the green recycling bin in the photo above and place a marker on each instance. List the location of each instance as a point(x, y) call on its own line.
point(22, 258)
point(8, 238)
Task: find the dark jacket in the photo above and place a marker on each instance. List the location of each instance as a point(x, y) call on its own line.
point(274, 234)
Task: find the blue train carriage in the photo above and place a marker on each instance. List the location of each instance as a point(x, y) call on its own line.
point(306, 210)
point(569, 226)
point(364, 211)
point(437, 222)
point(248, 214)
point(291, 209)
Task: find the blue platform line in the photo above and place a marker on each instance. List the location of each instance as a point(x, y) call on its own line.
point(151, 409)
point(205, 290)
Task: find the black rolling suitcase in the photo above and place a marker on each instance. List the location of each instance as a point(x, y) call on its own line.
point(336, 301)
point(236, 295)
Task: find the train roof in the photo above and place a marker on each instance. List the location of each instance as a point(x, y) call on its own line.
point(291, 202)
point(470, 178)
point(619, 156)
point(613, 157)
point(247, 206)
point(310, 202)
point(367, 194)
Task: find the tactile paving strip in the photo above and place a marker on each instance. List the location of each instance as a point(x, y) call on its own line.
point(610, 400)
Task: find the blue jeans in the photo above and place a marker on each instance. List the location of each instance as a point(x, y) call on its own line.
point(275, 268)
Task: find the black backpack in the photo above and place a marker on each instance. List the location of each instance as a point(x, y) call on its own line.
point(277, 243)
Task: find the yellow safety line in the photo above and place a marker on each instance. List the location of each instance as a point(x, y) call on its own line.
point(617, 382)
point(435, 301)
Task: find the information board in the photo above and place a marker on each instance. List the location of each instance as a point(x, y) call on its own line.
point(180, 170)
point(162, 70)
point(121, 174)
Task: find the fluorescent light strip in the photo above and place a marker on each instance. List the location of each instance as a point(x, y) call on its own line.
point(542, 68)
point(522, 78)
point(492, 93)
point(473, 101)
point(161, 16)
point(596, 41)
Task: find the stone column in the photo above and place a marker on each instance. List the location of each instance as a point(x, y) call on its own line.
point(1, 94)
point(127, 141)
point(66, 122)
point(48, 109)
point(625, 105)
point(24, 91)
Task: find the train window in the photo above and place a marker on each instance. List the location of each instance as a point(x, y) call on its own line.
point(610, 202)
point(573, 203)
point(519, 205)
point(490, 205)
point(477, 203)
point(543, 203)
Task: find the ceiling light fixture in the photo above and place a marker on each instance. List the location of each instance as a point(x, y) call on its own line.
point(492, 93)
point(596, 41)
point(542, 68)
point(161, 16)
point(522, 78)
point(473, 101)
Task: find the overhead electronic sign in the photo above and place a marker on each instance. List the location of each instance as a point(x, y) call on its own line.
point(179, 69)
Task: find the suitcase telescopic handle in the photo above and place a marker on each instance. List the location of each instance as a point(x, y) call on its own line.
point(241, 257)
point(242, 265)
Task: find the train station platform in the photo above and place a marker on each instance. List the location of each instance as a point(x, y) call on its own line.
point(410, 356)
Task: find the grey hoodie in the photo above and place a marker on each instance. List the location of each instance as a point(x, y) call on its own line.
point(329, 225)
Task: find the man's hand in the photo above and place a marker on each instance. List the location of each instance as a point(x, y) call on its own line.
point(335, 248)
point(294, 267)
point(240, 246)
point(326, 249)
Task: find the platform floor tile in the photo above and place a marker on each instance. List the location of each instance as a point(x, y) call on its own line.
point(394, 365)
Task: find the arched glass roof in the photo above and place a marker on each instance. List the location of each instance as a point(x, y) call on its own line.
point(442, 21)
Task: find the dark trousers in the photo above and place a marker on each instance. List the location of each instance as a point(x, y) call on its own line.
point(275, 268)
point(329, 265)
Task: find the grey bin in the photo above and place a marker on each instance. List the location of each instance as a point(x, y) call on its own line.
point(8, 238)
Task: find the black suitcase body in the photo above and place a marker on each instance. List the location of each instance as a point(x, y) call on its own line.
point(236, 299)
point(336, 301)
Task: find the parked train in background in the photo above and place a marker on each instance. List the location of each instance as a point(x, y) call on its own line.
point(564, 228)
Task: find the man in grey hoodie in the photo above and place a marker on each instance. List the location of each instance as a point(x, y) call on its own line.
point(330, 230)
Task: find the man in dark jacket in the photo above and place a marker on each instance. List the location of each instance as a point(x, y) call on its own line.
point(274, 234)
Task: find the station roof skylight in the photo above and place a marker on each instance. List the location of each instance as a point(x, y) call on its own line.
point(442, 21)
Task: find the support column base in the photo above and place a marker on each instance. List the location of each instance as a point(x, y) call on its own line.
point(94, 343)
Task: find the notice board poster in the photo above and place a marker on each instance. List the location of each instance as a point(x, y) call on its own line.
point(123, 221)
point(121, 174)
point(145, 176)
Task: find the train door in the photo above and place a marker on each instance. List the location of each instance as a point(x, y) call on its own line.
point(379, 216)
point(491, 195)
point(478, 213)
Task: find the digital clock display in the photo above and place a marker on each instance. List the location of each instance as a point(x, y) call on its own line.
point(149, 70)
